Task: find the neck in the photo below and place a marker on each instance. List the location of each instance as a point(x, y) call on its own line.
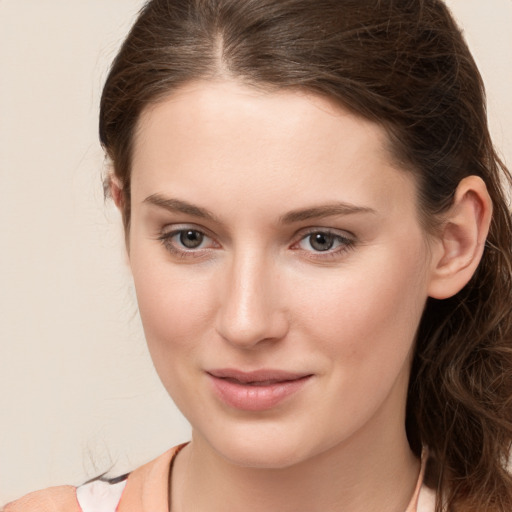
point(368, 475)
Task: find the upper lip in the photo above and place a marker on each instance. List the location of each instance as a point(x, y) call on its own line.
point(263, 375)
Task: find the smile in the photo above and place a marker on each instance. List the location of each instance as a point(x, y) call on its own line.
point(255, 391)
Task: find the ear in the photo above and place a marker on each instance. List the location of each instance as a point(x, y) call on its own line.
point(459, 248)
point(116, 191)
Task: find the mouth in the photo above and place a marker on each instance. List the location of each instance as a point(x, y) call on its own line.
point(257, 390)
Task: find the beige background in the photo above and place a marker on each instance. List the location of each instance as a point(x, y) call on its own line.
point(78, 393)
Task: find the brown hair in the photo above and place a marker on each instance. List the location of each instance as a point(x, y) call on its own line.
point(405, 65)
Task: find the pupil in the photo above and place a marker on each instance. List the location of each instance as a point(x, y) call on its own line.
point(322, 241)
point(191, 239)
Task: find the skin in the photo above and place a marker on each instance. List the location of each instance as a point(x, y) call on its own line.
point(256, 293)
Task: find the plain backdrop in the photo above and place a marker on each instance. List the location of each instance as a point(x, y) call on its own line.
point(78, 394)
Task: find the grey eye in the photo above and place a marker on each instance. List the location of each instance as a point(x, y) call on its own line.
point(191, 239)
point(321, 241)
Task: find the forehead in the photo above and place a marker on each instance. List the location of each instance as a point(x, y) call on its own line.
point(211, 109)
point(223, 135)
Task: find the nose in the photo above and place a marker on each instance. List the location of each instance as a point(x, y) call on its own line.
point(251, 309)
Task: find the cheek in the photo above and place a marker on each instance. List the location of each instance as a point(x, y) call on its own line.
point(174, 307)
point(174, 312)
point(367, 314)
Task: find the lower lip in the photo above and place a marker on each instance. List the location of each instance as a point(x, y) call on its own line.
point(255, 397)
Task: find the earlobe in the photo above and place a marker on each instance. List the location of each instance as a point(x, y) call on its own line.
point(462, 239)
point(116, 191)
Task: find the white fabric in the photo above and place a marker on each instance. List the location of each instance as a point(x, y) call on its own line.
point(100, 496)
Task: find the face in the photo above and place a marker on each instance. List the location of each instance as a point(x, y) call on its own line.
point(280, 269)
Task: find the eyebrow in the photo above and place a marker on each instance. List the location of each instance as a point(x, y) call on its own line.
point(177, 205)
point(319, 212)
point(315, 212)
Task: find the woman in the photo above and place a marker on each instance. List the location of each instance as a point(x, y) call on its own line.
point(319, 236)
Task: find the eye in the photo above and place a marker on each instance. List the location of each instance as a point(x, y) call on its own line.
point(187, 242)
point(190, 238)
point(320, 241)
point(324, 242)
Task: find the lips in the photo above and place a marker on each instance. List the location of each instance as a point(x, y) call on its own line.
point(256, 390)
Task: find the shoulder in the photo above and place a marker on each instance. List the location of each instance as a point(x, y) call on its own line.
point(146, 488)
point(96, 495)
point(54, 499)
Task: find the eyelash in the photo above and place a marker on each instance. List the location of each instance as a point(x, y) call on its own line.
point(345, 243)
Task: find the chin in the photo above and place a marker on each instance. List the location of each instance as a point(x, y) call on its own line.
point(272, 456)
point(259, 446)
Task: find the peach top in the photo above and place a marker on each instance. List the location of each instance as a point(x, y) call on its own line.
point(146, 490)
